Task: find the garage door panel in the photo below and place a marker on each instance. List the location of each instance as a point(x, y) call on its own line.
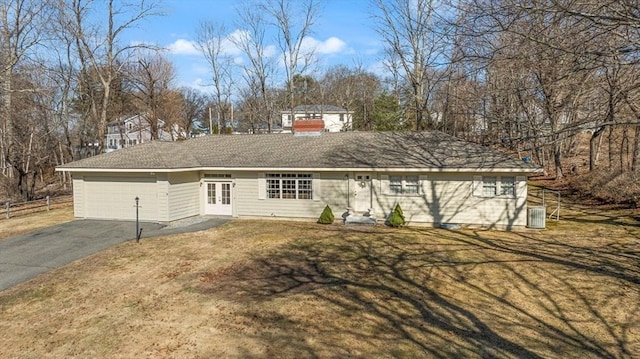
point(114, 198)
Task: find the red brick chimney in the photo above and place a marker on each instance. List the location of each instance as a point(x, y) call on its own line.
point(306, 126)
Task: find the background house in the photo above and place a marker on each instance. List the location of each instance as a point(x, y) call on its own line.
point(136, 129)
point(335, 119)
point(436, 178)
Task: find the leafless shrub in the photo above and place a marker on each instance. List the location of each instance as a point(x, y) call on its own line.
point(609, 187)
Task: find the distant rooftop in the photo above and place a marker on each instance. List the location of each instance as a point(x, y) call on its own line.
point(316, 109)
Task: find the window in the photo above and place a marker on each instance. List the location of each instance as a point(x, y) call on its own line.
point(403, 184)
point(489, 186)
point(507, 186)
point(289, 186)
point(342, 117)
point(211, 193)
point(395, 184)
point(492, 186)
point(411, 185)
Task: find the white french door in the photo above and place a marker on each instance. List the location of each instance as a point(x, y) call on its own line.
point(218, 197)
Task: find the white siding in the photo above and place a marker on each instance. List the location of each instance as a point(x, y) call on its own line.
point(183, 195)
point(442, 198)
point(449, 198)
point(332, 192)
point(163, 197)
point(332, 122)
point(78, 196)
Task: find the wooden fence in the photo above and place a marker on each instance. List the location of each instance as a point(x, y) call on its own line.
point(20, 208)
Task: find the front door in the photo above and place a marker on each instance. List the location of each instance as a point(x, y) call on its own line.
point(362, 193)
point(218, 198)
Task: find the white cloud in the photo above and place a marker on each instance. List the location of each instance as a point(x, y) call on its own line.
point(270, 51)
point(331, 45)
point(187, 47)
point(228, 43)
point(238, 60)
point(183, 47)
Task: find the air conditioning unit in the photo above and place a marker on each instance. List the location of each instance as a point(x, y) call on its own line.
point(536, 217)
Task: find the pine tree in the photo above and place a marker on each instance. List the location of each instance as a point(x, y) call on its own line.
point(396, 218)
point(327, 216)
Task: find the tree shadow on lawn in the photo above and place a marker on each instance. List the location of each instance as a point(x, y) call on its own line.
point(437, 294)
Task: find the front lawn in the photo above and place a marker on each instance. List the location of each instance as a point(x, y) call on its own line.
point(26, 223)
point(266, 289)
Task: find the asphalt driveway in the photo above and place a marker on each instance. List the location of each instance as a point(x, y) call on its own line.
point(25, 257)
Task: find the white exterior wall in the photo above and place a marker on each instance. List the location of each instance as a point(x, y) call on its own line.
point(163, 197)
point(78, 196)
point(184, 196)
point(332, 122)
point(249, 204)
point(136, 130)
point(442, 198)
point(449, 198)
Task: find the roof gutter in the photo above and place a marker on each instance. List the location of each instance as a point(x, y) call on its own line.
point(298, 169)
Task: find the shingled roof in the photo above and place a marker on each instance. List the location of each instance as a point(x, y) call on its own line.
point(316, 109)
point(428, 151)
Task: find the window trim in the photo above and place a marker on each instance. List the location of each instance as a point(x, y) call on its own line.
point(278, 186)
point(399, 185)
point(480, 186)
point(512, 183)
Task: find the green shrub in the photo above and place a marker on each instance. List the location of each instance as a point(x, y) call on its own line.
point(396, 218)
point(327, 216)
point(400, 212)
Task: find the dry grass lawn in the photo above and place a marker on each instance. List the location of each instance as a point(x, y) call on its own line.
point(266, 289)
point(30, 222)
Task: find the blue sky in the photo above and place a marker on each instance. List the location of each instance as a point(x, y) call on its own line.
point(343, 34)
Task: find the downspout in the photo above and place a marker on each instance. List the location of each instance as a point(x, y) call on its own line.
point(346, 177)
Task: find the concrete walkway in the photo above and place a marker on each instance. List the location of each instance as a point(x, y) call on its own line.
point(25, 257)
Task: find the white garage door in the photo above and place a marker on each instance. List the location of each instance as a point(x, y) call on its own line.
point(114, 198)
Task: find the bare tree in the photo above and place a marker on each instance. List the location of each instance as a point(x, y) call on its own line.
point(417, 35)
point(21, 25)
point(151, 78)
point(34, 148)
point(260, 70)
point(98, 50)
point(294, 21)
point(213, 42)
point(193, 107)
point(355, 90)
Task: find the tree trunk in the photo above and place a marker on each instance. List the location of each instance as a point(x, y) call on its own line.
point(610, 143)
point(557, 159)
point(624, 150)
point(7, 125)
point(593, 148)
point(636, 150)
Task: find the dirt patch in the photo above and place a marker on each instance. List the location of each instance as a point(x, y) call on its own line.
point(253, 289)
